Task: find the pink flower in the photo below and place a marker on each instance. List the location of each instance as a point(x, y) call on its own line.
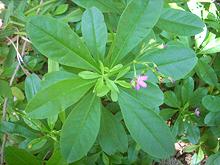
point(139, 82)
point(197, 112)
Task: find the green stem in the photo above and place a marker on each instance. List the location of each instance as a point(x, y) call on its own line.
point(17, 23)
point(39, 6)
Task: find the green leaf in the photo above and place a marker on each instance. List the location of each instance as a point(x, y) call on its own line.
point(89, 75)
point(15, 156)
point(101, 88)
point(54, 77)
point(211, 103)
point(53, 66)
point(146, 126)
point(16, 92)
point(175, 61)
point(187, 90)
point(133, 27)
point(167, 113)
point(213, 46)
point(32, 86)
point(47, 35)
point(214, 159)
point(81, 128)
point(61, 9)
point(180, 22)
point(206, 73)
point(171, 99)
point(197, 158)
point(57, 97)
point(56, 158)
point(112, 136)
point(103, 5)
point(212, 119)
point(5, 89)
point(94, 32)
point(17, 129)
point(193, 133)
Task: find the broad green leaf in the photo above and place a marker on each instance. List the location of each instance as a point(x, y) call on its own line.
point(47, 35)
point(212, 119)
point(56, 158)
point(214, 159)
point(112, 136)
point(15, 156)
point(193, 133)
point(54, 77)
point(212, 47)
point(133, 27)
point(180, 22)
point(206, 73)
point(151, 97)
point(57, 97)
point(174, 61)
point(81, 128)
point(32, 86)
point(103, 5)
point(145, 126)
point(171, 99)
point(94, 32)
point(211, 103)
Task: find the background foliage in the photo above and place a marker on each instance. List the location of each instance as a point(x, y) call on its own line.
point(69, 72)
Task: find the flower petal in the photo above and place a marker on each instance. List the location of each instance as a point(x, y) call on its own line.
point(142, 84)
point(137, 87)
point(143, 78)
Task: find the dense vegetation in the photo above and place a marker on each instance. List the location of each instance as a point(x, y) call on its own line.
point(109, 82)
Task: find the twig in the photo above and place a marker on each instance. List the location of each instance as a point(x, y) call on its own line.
point(4, 111)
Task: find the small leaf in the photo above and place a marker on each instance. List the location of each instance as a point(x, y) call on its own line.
point(211, 103)
point(16, 92)
point(61, 9)
point(89, 75)
point(32, 86)
point(123, 83)
point(206, 73)
point(171, 99)
point(101, 88)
